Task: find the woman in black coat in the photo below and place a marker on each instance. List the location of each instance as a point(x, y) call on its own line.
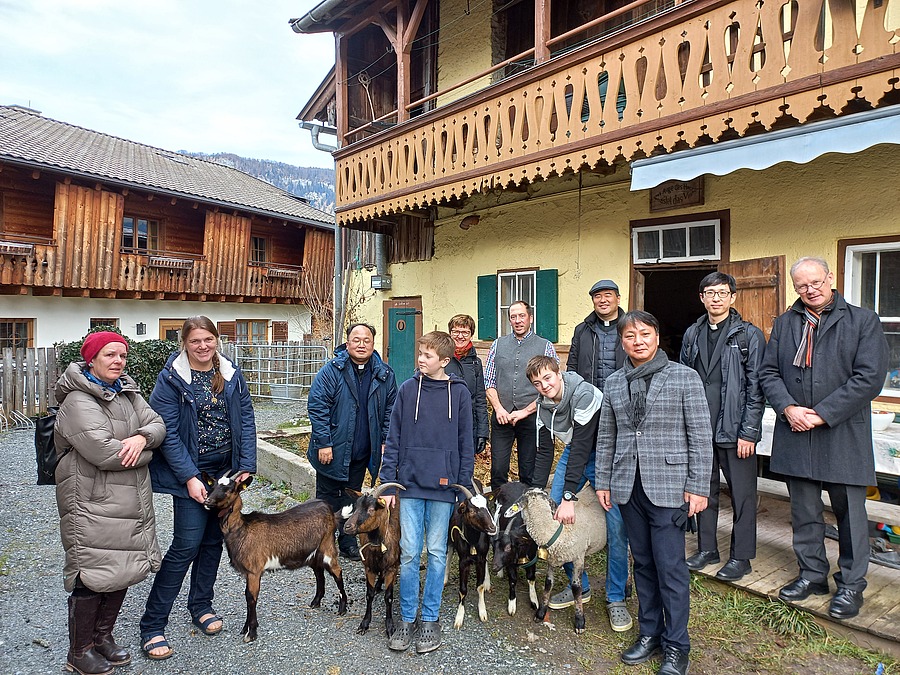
point(466, 364)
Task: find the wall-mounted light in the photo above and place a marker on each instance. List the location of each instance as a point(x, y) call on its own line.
point(469, 221)
point(141, 329)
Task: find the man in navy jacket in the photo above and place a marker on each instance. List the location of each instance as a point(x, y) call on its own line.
point(349, 405)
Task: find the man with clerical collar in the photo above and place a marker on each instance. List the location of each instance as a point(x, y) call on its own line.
point(514, 402)
point(825, 362)
point(726, 352)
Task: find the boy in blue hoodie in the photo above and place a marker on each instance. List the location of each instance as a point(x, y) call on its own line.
point(429, 447)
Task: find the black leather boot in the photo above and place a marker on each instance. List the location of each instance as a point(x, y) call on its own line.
point(82, 657)
point(104, 644)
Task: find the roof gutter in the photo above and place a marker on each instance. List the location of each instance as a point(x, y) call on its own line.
point(315, 128)
point(169, 193)
point(316, 15)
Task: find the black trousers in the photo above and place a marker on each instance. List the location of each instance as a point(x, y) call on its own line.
point(332, 492)
point(661, 577)
point(740, 475)
point(535, 454)
point(849, 505)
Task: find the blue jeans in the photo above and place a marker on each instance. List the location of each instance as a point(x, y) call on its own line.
point(616, 539)
point(197, 541)
point(422, 520)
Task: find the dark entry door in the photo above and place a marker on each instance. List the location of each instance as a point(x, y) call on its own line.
point(402, 341)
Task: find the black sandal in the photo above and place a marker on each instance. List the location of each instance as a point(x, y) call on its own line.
point(204, 625)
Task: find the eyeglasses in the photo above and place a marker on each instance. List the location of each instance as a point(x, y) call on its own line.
point(460, 333)
point(814, 285)
point(716, 294)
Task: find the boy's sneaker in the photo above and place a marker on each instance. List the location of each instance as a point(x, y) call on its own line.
point(619, 618)
point(401, 637)
point(429, 637)
point(566, 598)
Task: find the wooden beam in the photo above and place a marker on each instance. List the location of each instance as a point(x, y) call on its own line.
point(173, 201)
point(412, 26)
point(149, 197)
point(67, 180)
point(403, 63)
point(125, 192)
point(388, 29)
point(98, 186)
point(368, 17)
point(195, 205)
point(36, 174)
point(541, 30)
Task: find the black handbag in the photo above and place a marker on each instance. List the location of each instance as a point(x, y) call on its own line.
point(45, 448)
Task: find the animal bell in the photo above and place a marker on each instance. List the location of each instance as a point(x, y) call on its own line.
point(543, 553)
point(472, 551)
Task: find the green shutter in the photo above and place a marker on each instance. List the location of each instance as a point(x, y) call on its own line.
point(547, 305)
point(487, 307)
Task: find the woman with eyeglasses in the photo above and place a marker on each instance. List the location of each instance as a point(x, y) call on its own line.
point(466, 364)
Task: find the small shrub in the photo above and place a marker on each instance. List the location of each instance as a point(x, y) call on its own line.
point(145, 359)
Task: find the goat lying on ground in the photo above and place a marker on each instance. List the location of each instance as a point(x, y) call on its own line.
point(471, 529)
point(513, 546)
point(302, 536)
point(378, 528)
point(563, 543)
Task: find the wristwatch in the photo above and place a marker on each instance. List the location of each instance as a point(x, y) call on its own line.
point(569, 496)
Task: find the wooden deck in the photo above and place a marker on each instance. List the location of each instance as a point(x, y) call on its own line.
point(878, 623)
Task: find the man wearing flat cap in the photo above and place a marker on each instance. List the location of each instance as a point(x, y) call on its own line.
point(595, 354)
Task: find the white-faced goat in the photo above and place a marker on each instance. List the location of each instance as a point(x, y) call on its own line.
point(563, 543)
point(378, 528)
point(471, 529)
point(513, 546)
point(302, 536)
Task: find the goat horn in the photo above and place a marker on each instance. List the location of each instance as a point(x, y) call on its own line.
point(464, 489)
point(478, 486)
point(384, 486)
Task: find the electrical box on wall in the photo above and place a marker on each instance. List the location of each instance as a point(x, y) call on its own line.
point(381, 282)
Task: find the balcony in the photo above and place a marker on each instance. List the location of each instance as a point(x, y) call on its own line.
point(692, 75)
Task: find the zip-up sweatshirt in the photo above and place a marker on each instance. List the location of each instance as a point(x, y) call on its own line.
point(429, 445)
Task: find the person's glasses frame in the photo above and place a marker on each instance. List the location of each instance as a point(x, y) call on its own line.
point(814, 285)
point(717, 294)
point(460, 333)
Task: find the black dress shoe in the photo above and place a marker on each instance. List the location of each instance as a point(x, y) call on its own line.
point(734, 569)
point(351, 553)
point(801, 589)
point(701, 559)
point(675, 662)
point(845, 604)
point(645, 647)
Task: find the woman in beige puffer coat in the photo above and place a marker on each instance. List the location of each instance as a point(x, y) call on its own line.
point(104, 432)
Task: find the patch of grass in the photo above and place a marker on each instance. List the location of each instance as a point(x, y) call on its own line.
point(294, 423)
point(4, 565)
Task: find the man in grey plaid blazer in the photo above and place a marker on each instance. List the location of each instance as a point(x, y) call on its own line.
point(654, 458)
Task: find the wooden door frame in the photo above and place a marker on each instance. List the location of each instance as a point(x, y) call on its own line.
point(410, 302)
point(167, 324)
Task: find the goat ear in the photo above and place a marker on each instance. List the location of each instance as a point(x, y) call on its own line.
point(206, 478)
point(246, 483)
point(353, 493)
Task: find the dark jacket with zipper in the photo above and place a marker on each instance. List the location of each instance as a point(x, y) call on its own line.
point(584, 351)
point(429, 446)
point(742, 400)
point(333, 406)
point(173, 399)
point(470, 370)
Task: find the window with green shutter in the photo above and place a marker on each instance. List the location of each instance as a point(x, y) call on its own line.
point(496, 292)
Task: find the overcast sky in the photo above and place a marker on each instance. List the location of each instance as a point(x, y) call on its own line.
point(197, 75)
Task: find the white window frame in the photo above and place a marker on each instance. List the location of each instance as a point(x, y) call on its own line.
point(716, 255)
point(853, 286)
point(503, 327)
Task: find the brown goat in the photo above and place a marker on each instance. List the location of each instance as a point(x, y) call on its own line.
point(302, 536)
point(378, 528)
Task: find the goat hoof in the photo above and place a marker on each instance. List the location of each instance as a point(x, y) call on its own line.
point(579, 631)
point(316, 603)
point(249, 637)
point(362, 630)
point(342, 609)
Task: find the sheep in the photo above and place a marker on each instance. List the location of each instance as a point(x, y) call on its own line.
point(302, 536)
point(379, 536)
point(471, 529)
point(563, 543)
point(513, 547)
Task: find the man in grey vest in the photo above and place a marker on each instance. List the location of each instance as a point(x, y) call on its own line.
point(514, 400)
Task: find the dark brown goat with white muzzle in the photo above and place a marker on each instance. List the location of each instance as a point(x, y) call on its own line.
point(378, 528)
point(471, 529)
point(302, 536)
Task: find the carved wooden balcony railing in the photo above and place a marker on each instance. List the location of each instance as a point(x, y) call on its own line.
point(705, 71)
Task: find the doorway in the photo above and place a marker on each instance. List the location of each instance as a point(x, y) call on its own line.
point(673, 297)
point(403, 326)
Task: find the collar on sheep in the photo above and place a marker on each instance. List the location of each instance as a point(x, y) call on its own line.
point(542, 551)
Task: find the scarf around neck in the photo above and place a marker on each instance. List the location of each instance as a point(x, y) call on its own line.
point(639, 381)
point(811, 319)
point(459, 353)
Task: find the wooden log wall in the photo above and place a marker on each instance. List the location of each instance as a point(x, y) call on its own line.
point(226, 248)
point(318, 266)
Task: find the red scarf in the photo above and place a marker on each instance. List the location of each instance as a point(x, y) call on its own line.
point(461, 352)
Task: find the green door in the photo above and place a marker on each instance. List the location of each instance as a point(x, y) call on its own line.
point(402, 342)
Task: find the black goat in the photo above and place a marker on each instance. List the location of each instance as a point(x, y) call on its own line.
point(378, 528)
point(513, 546)
point(471, 529)
point(302, 536)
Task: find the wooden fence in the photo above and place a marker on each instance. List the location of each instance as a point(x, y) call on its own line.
point(27, 377)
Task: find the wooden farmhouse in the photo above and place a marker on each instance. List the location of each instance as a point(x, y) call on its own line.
point(98, 230)
point(527, 149)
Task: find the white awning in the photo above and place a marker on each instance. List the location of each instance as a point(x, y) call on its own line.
point(847, 135)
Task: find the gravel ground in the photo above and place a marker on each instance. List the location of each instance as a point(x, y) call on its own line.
point(292, 637)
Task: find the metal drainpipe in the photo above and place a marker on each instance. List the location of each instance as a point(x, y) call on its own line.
point(381, 255)
point(315, 128)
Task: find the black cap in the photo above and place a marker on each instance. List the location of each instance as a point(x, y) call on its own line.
point(604, 285)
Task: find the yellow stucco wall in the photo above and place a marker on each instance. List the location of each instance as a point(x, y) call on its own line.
point(787, 210)
point(465, 46)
